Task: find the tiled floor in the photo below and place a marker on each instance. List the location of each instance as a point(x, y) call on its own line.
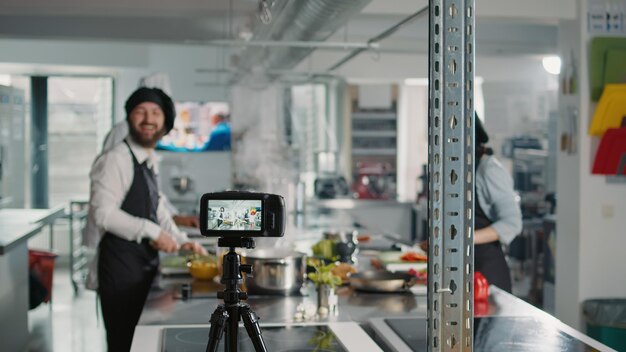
point(71, 325)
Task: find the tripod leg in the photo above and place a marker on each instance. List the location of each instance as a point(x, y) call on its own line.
point(251, 322)
point(219, 318)
point(232, 329)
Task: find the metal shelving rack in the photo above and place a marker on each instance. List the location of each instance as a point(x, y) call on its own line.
point(451, 175)
point(78, 256)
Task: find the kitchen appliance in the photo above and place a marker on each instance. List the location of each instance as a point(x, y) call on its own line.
point(336, 336)
point(276, 271)
point(281, 338)
point(495, 333)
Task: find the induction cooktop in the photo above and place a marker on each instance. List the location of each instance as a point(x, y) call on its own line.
point(516, 334)
point(319, 338)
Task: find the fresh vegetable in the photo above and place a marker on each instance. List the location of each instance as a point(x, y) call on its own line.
point(343, 270)
point(324, 275)
point(481, 287)
point(325, 249)
point(421, 275)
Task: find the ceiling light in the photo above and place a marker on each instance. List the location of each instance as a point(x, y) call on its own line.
point(552, 64)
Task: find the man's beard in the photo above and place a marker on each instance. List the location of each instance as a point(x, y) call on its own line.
point(146, 142)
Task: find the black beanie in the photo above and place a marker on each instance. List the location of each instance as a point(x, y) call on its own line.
point(153, 95)
point(481, 135)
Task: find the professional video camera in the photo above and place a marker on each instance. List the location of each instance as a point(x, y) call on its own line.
point(236, 218)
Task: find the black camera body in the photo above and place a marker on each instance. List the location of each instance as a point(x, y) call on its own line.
point(233, 214)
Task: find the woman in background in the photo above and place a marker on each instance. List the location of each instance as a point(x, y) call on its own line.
point(498, 218)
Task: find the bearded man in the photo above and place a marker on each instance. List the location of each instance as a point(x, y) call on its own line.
point(132, 221)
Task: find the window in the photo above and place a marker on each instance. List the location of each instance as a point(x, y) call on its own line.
point(80, 113)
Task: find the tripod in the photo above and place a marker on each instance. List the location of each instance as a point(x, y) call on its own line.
point(227, 315)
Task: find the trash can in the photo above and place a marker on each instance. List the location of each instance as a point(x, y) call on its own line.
point(606, 321)
point(41, 265)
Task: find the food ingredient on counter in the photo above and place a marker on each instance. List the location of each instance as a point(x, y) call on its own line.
point(343, 270)
point(203, 268)
point(421, 275)
point(414, 257)
point(326, 249)
point(324, 275)
point(481, 287)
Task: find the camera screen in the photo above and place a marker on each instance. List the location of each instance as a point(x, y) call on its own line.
point(234, 215)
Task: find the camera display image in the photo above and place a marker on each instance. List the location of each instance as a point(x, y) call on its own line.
point(234, 215)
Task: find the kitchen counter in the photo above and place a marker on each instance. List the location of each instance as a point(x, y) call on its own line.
point(16, 227)
point(505, 323)
point(165, 307)
point(31, 216)
point(12, 235)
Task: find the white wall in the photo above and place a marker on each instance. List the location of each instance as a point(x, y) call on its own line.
point(590, 221)
point(126, 62)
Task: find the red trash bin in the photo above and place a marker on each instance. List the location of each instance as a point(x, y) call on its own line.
point(41, 263)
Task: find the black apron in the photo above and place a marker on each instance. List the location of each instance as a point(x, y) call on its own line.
point(126, 269)
point(488, 257)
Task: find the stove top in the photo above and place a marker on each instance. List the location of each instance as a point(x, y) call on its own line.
point(319, 338)
point(520, 334)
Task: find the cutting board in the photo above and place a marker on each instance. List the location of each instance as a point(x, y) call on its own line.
point(610, 152)
point(611, 110)
point(392, 262)
point(600, 46)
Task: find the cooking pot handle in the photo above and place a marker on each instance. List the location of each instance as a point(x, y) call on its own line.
point(275, 262)
point(408, 283)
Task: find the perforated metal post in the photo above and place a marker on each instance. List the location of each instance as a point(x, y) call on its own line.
point(451, 175)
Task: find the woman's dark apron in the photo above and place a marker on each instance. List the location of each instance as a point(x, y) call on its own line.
point(126, 268)
point(488, 257)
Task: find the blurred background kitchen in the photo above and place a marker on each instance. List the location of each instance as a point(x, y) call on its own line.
point(323, 102)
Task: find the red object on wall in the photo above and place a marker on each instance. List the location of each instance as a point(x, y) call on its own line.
point(611, 153)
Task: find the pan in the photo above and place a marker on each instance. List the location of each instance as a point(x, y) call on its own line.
point(381, 281)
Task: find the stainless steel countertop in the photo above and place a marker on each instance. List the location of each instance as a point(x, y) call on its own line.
point(13, 234)
point(18, 225)
point(165, 307)
point(31, 216)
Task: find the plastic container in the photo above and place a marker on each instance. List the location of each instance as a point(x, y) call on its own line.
point(606, 321)
point(41, 263)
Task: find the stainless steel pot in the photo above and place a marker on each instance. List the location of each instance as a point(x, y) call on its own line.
point(275, 271)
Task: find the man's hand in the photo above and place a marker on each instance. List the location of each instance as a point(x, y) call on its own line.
point(188, 221)
point(195, 247)
point(165, 243)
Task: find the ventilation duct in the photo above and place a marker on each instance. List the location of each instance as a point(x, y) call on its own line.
point(310, 20)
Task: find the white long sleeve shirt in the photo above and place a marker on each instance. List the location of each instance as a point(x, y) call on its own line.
point(111, 178)
point(495, 194)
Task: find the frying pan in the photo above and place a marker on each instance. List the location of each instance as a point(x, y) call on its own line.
point(381, 281)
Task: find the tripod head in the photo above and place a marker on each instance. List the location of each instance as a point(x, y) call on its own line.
point(236, 242)
point(232, 269)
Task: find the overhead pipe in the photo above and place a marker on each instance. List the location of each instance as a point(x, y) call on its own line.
point(298, 21)
point(292, 43)
point(380, 37)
